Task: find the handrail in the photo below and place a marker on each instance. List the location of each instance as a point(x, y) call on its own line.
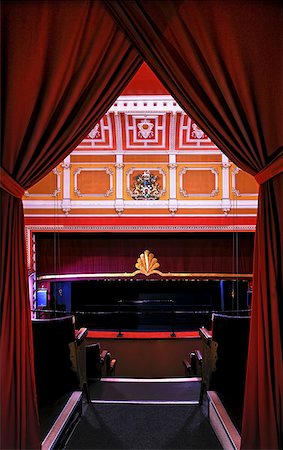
point(122, 309)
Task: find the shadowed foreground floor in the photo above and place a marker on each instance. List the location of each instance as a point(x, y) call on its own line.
point(143, 426)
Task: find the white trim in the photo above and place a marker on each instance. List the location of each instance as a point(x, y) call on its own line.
point(172, 176)
point(125, 228)
point(119, 177)
point(118, 126)
point(204, 150)
point(144, 402)
point(66, 177)
point(225, 177)
point(145, 103)
point(223, 426)
point(134, 204)
point(118, 204)
point(52, 437)
point(150, 380)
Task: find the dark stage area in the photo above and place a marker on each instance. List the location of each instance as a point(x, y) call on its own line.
point(147, 304)
point(98, 288)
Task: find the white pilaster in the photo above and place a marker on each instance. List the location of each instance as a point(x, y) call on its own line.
point(226, 203)
point(173, 203)
point(66, 202)
point(119, 202)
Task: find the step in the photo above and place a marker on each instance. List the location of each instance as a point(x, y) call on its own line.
point(65, 422)
point(154, 391)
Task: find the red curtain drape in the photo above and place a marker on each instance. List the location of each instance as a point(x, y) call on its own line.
point(222, 61)
point(62, 65)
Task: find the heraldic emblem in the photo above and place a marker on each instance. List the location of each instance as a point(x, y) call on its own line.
point(146, 187)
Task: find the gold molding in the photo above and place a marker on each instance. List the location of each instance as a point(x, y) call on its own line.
point(189, 275)
point(147, 263)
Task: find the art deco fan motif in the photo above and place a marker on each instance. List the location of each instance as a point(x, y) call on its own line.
point(147, 263)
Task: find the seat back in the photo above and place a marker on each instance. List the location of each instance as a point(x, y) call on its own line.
point(93, 361)
point(230, 336)
point(231, 333)
point(54, 372)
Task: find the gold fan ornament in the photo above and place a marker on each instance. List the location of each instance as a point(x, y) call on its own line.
point(147, 263)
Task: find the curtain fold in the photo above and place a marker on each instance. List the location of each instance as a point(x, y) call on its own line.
point(263, 393)
point(63, 65)
point(222, 62)
point(19, 418)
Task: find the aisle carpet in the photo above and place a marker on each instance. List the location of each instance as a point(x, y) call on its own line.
point(143, 426)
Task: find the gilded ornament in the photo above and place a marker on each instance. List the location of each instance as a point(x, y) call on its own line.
point(147, 263)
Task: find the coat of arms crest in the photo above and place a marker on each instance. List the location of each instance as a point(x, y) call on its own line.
point(146, 187)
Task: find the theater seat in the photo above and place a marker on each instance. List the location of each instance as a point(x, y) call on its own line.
point(55, 373)
point(109, 365)
point(224, 357)
point(99, 362)
point(60, 375)
point(193, 364)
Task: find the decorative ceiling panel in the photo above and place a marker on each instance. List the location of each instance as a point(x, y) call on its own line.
point(152, 124)
point(189, 135)
point(145, 131)
point(102, 135)
point(146, 159)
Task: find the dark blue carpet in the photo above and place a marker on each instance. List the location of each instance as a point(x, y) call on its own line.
point(147, 426)
point(112, 426)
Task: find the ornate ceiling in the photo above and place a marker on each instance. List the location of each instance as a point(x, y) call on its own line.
point(146, 166)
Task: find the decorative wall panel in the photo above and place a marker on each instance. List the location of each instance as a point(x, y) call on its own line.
point(199, 182)
point(47, 188)
point(90, 182)
point(243, 184)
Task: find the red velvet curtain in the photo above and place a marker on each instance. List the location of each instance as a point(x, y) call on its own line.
point(63, 65)
point(118, 252)
point(222, 61)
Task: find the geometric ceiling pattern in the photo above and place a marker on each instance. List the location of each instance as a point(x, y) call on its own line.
point(145, 166)
point(130, 127)
point(144, 149)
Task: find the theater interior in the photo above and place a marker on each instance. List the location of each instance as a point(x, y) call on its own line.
point(142, 253)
